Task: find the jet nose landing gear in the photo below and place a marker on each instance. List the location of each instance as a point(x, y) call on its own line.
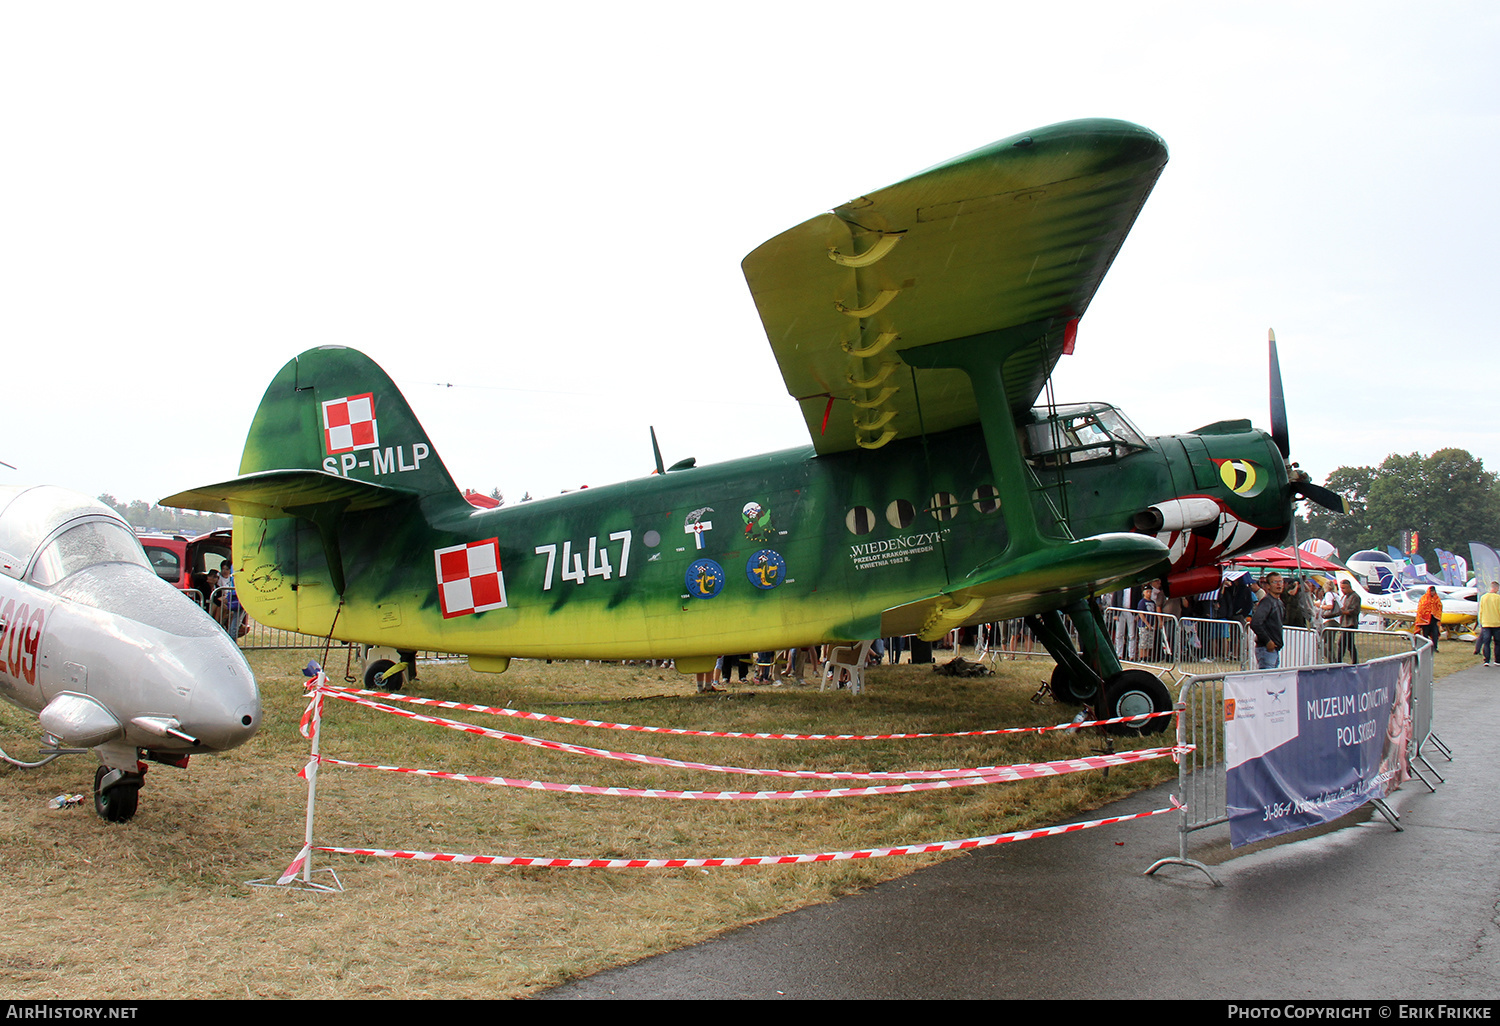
point(116, 793)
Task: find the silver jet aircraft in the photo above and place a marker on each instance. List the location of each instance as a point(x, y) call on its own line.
point(107, 654)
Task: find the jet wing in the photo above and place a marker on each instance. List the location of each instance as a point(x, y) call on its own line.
point(1008, 242)
point(274, 494)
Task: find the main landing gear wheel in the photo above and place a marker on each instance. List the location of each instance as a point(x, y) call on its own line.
point(1135, 693)
point(118, 801)
point(1062, 687)
point(392, 683)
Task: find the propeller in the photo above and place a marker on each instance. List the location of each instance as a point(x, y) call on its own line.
point(1298, 481)
point(1278, 403)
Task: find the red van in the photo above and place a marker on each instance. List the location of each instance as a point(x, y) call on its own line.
point(183, 561)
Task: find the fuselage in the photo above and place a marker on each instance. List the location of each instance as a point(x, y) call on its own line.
point(758, 553)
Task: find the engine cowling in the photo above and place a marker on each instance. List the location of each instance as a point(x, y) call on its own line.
point(1176, 515)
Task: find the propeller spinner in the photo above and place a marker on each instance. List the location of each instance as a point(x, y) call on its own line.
point(1298, 481)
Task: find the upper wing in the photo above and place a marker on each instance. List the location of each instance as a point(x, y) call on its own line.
point(1011, 239)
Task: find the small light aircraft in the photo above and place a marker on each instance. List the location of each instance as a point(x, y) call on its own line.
point(1460, 605)
point(1399, 603)
point(915, 326)
point(1403, 575)
point(107, 654)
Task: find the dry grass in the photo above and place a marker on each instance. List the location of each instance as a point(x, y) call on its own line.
point(157, 907)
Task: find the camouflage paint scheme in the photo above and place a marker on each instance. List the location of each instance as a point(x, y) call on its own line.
point(916, 326)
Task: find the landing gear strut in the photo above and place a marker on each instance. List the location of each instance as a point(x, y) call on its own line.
point(1095, 676)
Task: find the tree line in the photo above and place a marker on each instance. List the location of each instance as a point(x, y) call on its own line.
point(1448, 498)
point(144, 516)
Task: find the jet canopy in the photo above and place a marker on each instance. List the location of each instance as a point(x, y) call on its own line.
point(1079, 433)
point(52, 532)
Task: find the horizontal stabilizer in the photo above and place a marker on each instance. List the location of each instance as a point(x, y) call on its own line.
point(276, 494)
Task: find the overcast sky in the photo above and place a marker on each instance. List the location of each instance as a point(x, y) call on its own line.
point(546, 209)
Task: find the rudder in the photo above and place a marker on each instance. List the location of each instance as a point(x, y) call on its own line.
point(333, 409)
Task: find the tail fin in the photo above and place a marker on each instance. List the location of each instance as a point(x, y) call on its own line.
point(1388, 582)
point(333, 409)
point(332, 437)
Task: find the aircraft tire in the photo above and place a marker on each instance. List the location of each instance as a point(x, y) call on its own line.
point(373, 672)
point(119, 803)
point(1132, 693)
point(1062, 687)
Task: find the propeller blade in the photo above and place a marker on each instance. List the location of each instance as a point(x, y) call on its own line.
point(1278, 404)
point(1322, 496)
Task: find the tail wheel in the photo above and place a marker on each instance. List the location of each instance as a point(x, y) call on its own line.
point(118, 802)
point(1135, 693)
point(375, 670)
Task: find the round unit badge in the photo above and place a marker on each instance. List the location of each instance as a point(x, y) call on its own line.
point(766, 569)
point(704, 579)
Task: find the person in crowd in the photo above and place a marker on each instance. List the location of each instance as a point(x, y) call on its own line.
point(205, 585)
point(1348, 621)
point(1489, 624)
point(1294, 599)
point(1266, 622)
point(1430, 616)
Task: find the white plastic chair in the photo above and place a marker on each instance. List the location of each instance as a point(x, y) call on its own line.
point(851, 657)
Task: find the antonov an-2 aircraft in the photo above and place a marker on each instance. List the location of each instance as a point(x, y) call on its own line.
point(915, 326)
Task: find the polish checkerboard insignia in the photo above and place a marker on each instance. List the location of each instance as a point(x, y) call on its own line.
point(469, 578)
point(349, 424)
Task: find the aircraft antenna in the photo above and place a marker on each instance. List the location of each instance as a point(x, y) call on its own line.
point(656, 451)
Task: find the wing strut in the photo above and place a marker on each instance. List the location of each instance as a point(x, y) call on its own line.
point(982, 358)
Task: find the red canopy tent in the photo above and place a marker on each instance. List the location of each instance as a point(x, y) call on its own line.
point(1285, 559)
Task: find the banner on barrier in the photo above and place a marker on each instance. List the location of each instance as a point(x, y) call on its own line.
point(1307, 746)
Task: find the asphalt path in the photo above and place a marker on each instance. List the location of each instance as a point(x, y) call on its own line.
point(1356, 912)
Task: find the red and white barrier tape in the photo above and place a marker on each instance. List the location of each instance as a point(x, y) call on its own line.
point(291, 871)
point(605, 724)
point(756, 860)
point(1000, 774)
point(655, 760)
point(314, 708)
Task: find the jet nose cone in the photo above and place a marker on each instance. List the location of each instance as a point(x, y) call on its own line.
point(225, 709)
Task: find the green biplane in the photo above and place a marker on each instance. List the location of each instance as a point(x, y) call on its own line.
point(916, 326)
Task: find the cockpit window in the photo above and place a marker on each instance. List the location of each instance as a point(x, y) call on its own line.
point(87, 544)
point(1078, 434)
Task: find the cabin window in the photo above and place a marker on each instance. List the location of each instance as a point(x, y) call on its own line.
point(1080, 434)
point(87, 544)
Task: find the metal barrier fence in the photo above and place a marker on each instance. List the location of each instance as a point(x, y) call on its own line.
point(1142, 637)
point(1184, 644)
point(1422, 700)
point(1299, 647)
point(1202, 776)
point(1209, 645)
point(1006, 639)
point(1344, 644)
point(259, 637)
